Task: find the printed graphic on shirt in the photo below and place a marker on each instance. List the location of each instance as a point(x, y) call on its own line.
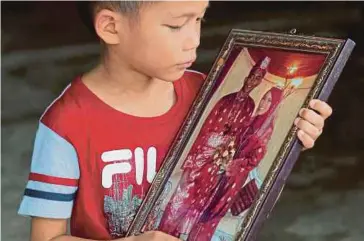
point(120, 207)
point(124, 168)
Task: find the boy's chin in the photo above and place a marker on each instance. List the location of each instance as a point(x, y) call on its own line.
point(173, 76)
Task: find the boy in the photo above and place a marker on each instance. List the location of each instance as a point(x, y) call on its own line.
point(106, 123)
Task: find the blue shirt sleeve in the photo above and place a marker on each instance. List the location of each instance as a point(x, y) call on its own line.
point(53, 179)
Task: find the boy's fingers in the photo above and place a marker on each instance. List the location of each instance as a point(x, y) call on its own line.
point(312, 117)
point(308, 128)
point(321, 107)
point(306, 140)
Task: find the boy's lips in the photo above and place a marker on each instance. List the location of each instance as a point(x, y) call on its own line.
point(186, 64)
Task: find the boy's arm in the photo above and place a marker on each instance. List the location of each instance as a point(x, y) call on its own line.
point(46, 229)
point(52, 184)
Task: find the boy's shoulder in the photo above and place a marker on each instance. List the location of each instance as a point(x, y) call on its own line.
point(64, 114)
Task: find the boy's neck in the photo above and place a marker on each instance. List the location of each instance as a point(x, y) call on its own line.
point(125, 79)
point(129, 91)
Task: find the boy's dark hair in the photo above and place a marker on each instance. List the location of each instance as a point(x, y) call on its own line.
point(88, 9)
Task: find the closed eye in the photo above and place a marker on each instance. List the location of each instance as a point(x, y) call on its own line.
point(174, 27)
point(179, 27)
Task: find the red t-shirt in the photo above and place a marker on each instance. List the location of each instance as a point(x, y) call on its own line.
point(95, 164)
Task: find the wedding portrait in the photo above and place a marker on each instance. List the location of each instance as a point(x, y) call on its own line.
point(223, 166)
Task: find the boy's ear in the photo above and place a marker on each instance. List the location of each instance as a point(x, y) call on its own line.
point(107, 26)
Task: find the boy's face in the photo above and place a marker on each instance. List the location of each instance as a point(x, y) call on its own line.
point(162, 41)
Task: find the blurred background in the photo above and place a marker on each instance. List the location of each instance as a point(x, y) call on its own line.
point(44, 45)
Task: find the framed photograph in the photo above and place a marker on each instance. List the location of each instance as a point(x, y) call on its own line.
point(232, 156)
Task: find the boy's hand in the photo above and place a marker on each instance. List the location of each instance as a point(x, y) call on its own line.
point(151, 236)
point(311, 123)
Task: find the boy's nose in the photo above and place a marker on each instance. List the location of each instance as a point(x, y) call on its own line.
point(192, 42)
